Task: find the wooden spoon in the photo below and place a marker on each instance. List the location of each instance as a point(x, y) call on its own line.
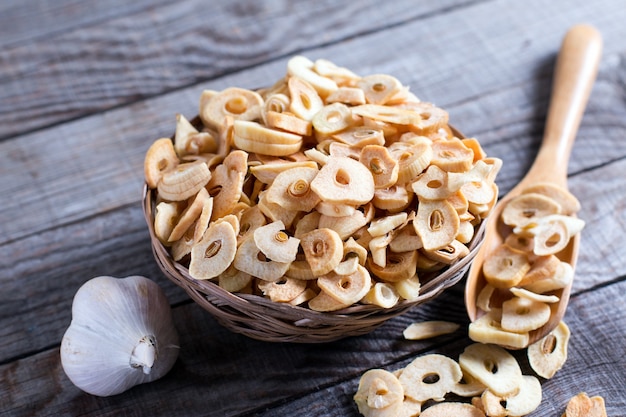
point(574, 75)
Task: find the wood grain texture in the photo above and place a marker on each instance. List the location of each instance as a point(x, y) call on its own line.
point(300, 380)
point(139, 54)
point(83, 95)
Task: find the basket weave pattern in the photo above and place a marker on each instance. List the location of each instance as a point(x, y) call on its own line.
point(262, 319)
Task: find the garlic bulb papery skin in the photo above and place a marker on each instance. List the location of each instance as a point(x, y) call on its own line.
point(121, 335)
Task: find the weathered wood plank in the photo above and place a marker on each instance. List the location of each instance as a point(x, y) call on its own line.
point(138, 55)
point(316, 380)
point(34, 20)
point(41, 274)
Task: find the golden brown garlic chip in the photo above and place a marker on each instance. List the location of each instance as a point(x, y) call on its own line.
point(493, 366)
point(234, 280)
point(393, 199)
point(165, 219)
point(522, 315)
point(384, 225)
point(540, 298)
point(341, 75)
point(436, 223)
point(521, 243)
point(468, 386)
point(291, 189)
point(347, 226)
point(382, 294)
point(347, 95)
point(250, 219)
point(379, 88)
point(383, 167)
point(184, 181)
point(305, 101)
point(413, 158)
point(528, 208)
point(227, 182)
point(300, 67)
point(360, 136)
point(347, 289)
point(284, 290)
point(323, 249)
point(214, 253)
point(432, 184)
point(332, 118)
point(335, 209)
point(432, 118)
point(449, 409)
point(387, 114)
point(236, 103)
point(430, 377)
point(345, 181)
point(204, 220)
point(182, 247)
point(581, 405)
point(399, 266)
point(452, 155)
point(561, 278)
point(323, 302)
point(487, 329)
point(541, 267)
point(189, 141)
point(552, 233)
point(449, 253)
point(409, 289)
point(254, 137)
point(547, 355)
point(379, 394)
point(189, 215)
point(524, 402)
point(276, 212)
point(427, 329)
point(160, 158)
point(505, 267)
point(250, 259)
point(267, 171)
point(275, 243)
point(483, 300)
point(288, 122)
point(568, 202)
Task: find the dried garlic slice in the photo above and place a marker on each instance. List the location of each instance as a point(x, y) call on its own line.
point(214, 253)
point(456, 409)
point(430, 377)
point(520, 315)
point(379, 394)
point(522, 403)
point(160, 158)
point(493, 366)
point(547, 355)
point(427, 329)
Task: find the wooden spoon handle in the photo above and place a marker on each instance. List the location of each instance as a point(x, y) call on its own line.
point(574, 75)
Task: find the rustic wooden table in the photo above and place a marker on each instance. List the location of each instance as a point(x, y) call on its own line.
point(86, 86)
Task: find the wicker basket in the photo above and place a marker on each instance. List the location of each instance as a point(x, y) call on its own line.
point(262, 319)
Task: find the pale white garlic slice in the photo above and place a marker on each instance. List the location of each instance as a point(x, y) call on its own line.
point(121, 335)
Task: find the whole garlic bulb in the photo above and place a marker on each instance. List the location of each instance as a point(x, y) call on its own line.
point(121, 335)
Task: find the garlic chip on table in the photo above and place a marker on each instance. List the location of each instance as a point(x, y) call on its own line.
point(121, 335)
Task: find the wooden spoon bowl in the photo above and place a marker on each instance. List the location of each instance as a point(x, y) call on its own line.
point(575, 73)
